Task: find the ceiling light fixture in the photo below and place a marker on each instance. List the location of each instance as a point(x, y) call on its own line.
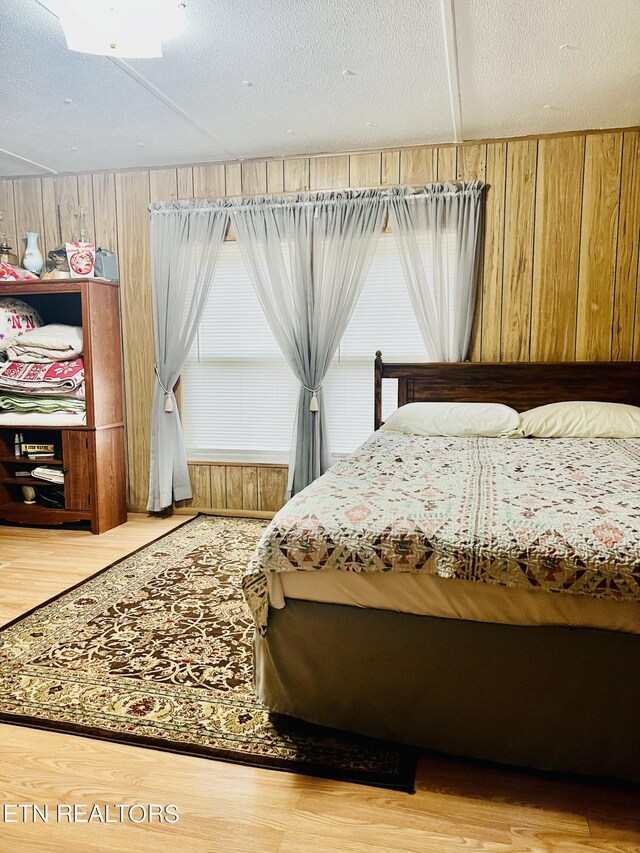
point(130, 29)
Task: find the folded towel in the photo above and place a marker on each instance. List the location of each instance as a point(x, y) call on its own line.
point(26, 403)
point(51, 343)
point(58, 379)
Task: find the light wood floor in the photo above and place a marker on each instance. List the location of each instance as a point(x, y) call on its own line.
point(225, 808)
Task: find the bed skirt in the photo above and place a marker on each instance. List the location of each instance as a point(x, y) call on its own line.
point(553, 698)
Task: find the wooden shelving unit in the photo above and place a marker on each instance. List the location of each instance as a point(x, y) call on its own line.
point(92, 455)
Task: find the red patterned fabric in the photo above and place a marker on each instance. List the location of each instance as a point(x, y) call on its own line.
point(60, 377)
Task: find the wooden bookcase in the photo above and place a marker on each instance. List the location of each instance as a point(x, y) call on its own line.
point(93, 455)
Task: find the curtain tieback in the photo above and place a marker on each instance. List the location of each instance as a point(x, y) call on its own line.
point(168, 402)
point(313, 405)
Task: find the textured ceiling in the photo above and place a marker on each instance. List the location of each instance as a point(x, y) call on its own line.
point(578, 58)
point(497, 68)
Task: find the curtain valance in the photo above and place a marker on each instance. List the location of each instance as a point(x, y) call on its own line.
point(176, 207)
point(337, 198)
point(472, 189)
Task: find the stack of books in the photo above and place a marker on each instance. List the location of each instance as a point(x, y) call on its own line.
point(37, 451)
point(28, 447)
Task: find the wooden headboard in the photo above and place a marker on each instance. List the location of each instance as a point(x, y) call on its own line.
point(521, 385)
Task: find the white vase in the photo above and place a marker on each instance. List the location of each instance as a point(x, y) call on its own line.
point(32, 259)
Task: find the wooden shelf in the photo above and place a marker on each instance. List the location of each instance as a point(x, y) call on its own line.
point(50, 285)
point(29, 481)
point(36, 514)
point(41, 428)
point(22, 460)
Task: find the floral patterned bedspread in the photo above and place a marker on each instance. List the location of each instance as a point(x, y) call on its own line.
point(559, 515)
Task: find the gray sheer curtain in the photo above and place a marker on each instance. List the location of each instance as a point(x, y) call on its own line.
point(308, 256)
point(438, 236)
point(185, 238)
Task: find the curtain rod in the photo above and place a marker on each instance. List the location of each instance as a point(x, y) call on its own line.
point(328, 197)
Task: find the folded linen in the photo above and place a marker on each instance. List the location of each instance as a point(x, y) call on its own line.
point(61, 378)
point(66, 393)
point(40, 419)
point(26, 403)
point(51, 475)
point(69, 394)
point(51, 343)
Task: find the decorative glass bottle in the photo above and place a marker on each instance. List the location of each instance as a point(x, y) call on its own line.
point(32, 259)
point(80, 231)
point(6, 253)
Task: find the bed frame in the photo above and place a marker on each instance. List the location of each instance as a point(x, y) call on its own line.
point(521, 385)
point(549, 697)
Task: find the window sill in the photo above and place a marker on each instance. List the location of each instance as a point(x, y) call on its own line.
point(237, 457)
point(245, 459)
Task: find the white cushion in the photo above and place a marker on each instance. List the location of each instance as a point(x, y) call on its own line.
point(16, 317)
point(456, 419)
point(582, 419)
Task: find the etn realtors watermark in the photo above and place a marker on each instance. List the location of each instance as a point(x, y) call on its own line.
point(89, 813)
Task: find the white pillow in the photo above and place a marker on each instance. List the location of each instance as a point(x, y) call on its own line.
point(16, 317)
point(457, 419)
point(582, 419)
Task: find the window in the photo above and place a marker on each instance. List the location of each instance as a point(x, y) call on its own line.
point(239, 395)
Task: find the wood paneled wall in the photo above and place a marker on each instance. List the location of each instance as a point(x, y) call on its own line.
point(237, 489)
point(558, 278)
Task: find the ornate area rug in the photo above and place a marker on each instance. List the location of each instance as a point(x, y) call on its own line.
point(155, 650)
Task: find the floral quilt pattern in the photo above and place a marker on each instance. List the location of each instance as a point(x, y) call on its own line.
point(556, 515)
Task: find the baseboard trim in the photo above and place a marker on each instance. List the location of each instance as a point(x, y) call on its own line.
point(207, 510)
point(228, 513)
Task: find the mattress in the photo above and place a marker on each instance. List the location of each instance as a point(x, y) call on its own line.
point(429, 595)
point(555, 518)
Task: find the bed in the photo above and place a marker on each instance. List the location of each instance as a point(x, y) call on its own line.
point(476, 644)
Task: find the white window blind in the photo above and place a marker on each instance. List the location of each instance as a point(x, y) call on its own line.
point(239, 395)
